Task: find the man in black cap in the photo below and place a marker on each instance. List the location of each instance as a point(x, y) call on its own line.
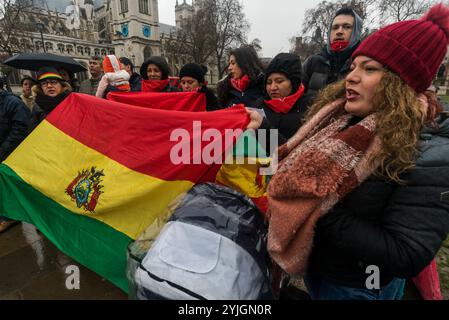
point(14, 119)
point(135, 81)
point(334, 62)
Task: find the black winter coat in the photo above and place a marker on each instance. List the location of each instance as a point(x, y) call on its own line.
point(252, 97)
point(14, 120)
point(396, 228)
point(286, 124)
point(322, 69)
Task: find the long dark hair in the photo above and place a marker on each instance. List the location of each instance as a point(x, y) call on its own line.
point(247, 60)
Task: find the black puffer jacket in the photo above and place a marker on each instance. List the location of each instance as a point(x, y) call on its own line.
point(252, 97)
point(397, 228)
point(14, 120)
point(328, 67)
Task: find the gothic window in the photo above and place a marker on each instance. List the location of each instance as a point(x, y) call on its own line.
point(87, 51)
point(49, 46)
point(111, 52)
point(103, 52)
point(97, 52)
point(80, 50)
point(123, 6)
point(143, 7)
point(38, 45)
point(60, 47)
point(69, 48)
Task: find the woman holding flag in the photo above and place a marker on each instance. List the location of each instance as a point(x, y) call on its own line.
point(360, 200)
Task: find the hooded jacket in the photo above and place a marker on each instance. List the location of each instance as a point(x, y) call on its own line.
point(398, 228)
point(14, 119)
point(328, 67)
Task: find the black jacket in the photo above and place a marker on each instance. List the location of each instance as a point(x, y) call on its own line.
point(286, 124)
point(322, 69)
point(135, 82)
point(396, 228)
point(252, 97)
point(14, 120)
point(211, 99)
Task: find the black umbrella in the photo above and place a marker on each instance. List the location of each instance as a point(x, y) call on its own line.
point(35, 61)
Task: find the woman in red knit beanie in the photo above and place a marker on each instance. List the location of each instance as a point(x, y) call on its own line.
point(360, 200)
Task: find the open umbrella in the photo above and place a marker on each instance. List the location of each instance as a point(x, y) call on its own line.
point(35, 61)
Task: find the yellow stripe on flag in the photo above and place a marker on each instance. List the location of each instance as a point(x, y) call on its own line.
point(49, 161)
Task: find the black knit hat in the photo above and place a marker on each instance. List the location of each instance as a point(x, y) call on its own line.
point(160, 62)
point(288, 64)
point(195, 71)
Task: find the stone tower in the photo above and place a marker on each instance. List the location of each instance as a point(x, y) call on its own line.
point(135, 29)
point(182, 12)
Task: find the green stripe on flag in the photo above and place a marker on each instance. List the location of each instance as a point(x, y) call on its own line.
point(89, 241)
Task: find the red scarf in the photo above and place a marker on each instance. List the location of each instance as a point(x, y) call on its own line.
point(241, 84)
point(338, 45)
point(284, 105)
point(154, 85)
point(322, 163)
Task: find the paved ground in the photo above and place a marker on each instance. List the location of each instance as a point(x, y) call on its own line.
point(32, 268)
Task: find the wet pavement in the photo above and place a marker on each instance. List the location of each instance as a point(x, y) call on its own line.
point(32, 268)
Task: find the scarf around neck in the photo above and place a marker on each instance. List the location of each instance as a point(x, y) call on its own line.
point(154, 85)
point(284, 105)
point(48, 104)
point(325, 160)
point(241, 84)
point(338, 46)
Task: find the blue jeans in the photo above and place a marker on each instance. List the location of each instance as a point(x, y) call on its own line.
point(320, 289)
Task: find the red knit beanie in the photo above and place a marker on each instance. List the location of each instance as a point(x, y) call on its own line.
point(413, 49)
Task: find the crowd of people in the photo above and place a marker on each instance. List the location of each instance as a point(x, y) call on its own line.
point(364, 146)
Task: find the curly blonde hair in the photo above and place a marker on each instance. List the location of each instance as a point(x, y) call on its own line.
point(400, 119)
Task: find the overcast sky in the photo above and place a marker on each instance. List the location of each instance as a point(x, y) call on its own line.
point(274, 22)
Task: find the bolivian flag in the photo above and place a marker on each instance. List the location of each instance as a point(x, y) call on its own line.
point(179, 101)
point(96, 173)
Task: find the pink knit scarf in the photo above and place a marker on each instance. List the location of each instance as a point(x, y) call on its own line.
point(324, 161)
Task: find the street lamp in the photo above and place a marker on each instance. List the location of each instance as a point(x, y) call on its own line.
point(40, 26)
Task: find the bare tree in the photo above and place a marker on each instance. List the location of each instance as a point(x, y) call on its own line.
point(317, 22)
point(400, 10)
point(194, 39)
point(14, 26)
point(214, 28)
point(230, 29)
point(256, 44)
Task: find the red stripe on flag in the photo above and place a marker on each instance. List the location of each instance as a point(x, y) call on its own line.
point(139, 138)
point(180, 101)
